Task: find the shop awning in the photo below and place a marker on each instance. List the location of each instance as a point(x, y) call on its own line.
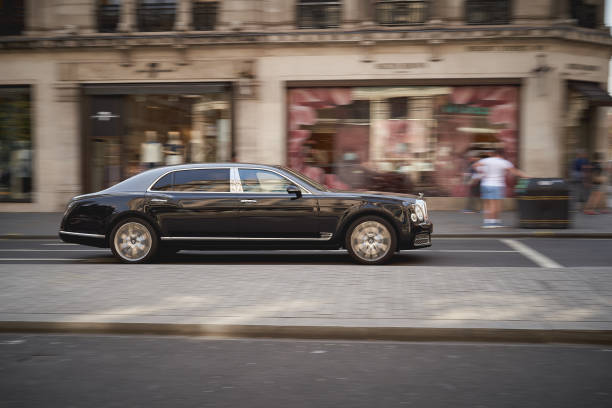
point(592, 92)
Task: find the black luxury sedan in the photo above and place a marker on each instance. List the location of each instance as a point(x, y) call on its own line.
point(242, 206)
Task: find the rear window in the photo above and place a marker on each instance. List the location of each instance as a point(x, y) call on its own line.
point(164, 183)
point(202, 180)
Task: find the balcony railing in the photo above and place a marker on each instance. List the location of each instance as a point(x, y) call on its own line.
point(584, 14)
point(108, 16)
point(12, 21)
point(156, 15)
point(205, 15)
point(487, 11)
point(319, 14)
point(401, 12)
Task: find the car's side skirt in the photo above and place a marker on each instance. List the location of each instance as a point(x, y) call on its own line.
point(326, 236)
point(82, 234)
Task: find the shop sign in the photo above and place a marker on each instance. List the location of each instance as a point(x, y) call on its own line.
point(465, 109)
point(582, 67)
point(504, 48)
point(104, 116)
point(400, 65)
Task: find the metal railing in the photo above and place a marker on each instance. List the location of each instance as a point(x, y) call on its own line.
point(487, 11)
point(108, 16)
point(205, 15)
point(401, 12)
point(12, 18)
point(319, 14)
point(156, 16)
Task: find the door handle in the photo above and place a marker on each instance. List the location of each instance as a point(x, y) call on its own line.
point(159, 200)
point(248, 201)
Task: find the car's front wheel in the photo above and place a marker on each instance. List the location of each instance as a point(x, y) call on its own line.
point(371, 240)
point(133, 241)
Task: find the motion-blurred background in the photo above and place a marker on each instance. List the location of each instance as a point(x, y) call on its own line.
point(396, 95)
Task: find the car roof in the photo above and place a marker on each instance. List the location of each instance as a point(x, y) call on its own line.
point(142, 181)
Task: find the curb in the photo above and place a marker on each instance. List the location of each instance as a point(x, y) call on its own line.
point(603, 337)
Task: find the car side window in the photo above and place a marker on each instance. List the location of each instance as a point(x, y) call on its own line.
point(263, 181)
point(202, 180)
point(164, 183)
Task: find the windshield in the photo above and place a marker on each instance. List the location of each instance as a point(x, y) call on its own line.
point(304, 179)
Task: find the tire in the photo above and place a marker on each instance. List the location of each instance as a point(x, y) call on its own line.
point(371, 240)
point(133, 240)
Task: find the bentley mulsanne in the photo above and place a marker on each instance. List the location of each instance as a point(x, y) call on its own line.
point(217, 206)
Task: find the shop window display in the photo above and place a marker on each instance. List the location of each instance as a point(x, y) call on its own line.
point(156, 130)
point(15, 145)
point(400, 139)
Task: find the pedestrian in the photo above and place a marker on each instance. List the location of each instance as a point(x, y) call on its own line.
point(472, 183)
point(579, 172)
point(493, 171)
point(597, 178)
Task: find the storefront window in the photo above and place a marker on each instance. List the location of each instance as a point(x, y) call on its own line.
point(132, 133)
point(15, 145)
point(400, 139)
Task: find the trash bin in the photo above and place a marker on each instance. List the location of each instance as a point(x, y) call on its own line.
point(543, 203)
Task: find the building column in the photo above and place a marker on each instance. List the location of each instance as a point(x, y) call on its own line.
point(352, 13)
point(184, 16)
point(127, 19)
point(436, 11)
point(601, 14)
point(562, 10)
point(541, 138)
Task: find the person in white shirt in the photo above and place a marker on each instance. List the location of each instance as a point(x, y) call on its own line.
point(493, 185)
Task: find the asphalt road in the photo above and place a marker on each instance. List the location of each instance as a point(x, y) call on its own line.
point(120, 371)
point(476, 252)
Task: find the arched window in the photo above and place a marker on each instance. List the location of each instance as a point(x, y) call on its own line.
point(205, 14)
point(107, 15)
point(12, 21)
point(487, 11)
point(156, 15)
point(401, 12)
point(319, 13)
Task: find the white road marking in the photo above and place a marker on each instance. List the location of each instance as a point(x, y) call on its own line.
point(52, 250)
point(531, 254)
point(38, 259)
point(464, 250)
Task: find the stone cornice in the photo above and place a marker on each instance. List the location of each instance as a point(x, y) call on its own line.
point(373, 35)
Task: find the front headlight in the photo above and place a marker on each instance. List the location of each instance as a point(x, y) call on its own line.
point(418, 210)
point(423, 205)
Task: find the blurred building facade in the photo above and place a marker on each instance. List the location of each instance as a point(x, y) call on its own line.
point(368, 94)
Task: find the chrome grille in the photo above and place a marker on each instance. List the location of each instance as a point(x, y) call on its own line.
point(422, 239)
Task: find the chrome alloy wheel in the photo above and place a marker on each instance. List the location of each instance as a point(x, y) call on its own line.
point(133, 241)
point(371, 241)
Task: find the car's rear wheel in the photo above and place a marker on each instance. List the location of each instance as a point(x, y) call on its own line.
point(371, 240)
point(133, 241)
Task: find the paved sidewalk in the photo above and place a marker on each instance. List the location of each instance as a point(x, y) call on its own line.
point(343, 301)
point(446, 224)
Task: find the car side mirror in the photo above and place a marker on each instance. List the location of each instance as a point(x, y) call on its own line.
point(294, 190)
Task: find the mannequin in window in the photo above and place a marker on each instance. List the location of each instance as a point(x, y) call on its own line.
point(174, 149)
point(150, 150)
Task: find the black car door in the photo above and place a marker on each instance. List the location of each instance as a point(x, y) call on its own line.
point(195, 203)
point(268, 211)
